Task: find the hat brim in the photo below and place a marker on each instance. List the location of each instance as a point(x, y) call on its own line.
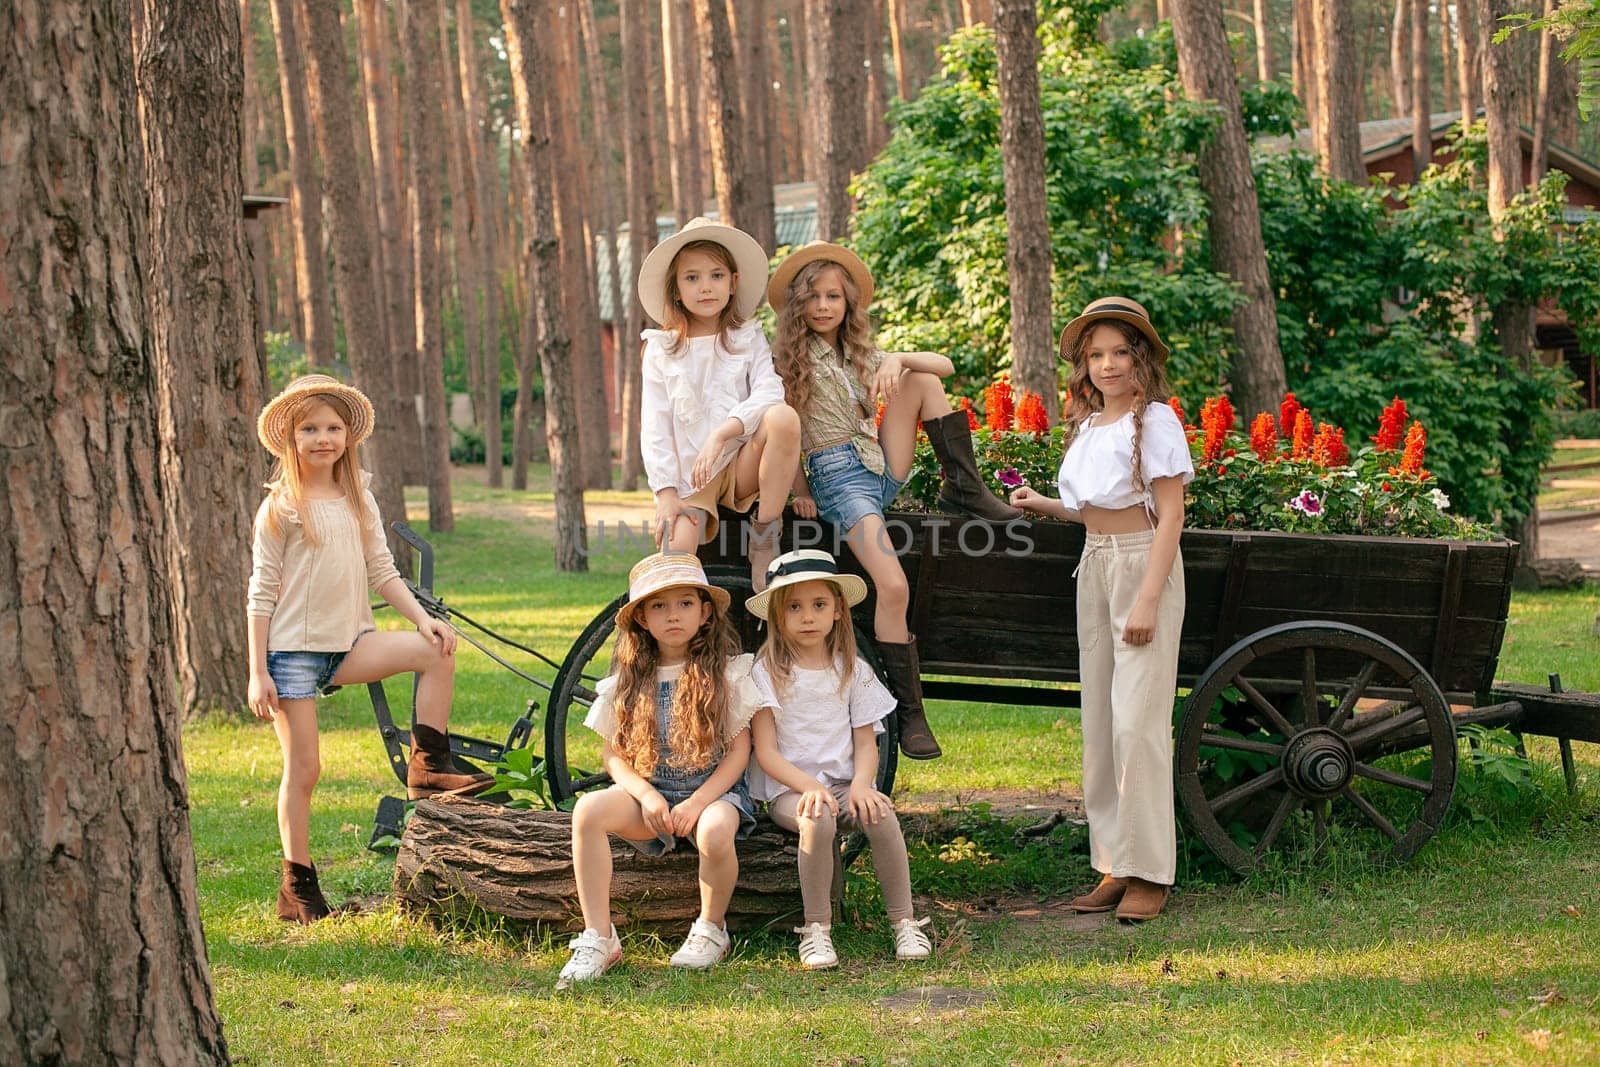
point(272, 425)
point(749, 261)
point(720, 597)
point(850, 585)
point(1070, 332)
point(794, 262)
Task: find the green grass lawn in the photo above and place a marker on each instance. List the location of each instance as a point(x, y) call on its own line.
point(1484, 949)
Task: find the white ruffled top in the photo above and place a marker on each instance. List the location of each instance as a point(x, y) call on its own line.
point(816, 723)
point(747, 695)
point(1097, 470)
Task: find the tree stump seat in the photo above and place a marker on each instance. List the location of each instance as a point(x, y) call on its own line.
point(459, 856)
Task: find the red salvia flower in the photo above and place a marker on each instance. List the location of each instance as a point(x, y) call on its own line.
point(1328, 448)
point(1030, 415)
point(972, 416)
point(1216, 419)
point(997, 404)
point(1302, 434)
point(1416, 444)
point(1264, 437)
point(1391, 425)
point(1286, 414)
point(1177, 409)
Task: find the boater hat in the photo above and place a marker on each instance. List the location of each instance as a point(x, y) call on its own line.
point(1113, 307)
point(806, 565)
point(849, 262)
point(667, 570)
point(273, 425)
point(748, 260)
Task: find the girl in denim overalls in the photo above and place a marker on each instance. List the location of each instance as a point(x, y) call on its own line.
point(675, 715)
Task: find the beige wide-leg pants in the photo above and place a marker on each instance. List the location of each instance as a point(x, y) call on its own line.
point(1128, 692)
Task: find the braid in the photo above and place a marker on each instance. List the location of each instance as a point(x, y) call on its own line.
point(1138, 443)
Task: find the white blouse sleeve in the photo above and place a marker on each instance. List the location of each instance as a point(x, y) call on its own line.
point(747, 694)
point(764, 385)
point(870, 701)
point(602, 717)
point(656, 439)
point(1164, 448)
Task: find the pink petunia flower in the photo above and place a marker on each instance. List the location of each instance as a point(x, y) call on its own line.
point(1307, 503)
point(1010, 477)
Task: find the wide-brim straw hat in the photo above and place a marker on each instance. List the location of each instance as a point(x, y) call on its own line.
point(1121, 308)
point(806, 565)
point(273, 424)
point(794, 262)
point(749, 261)
point(667, 570)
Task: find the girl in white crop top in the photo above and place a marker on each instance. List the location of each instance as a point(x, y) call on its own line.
point(1123, 475)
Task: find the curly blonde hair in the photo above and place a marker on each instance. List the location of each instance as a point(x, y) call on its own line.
point(791, 345)
point(676, 319)
point(699, 700)
point(1149, 387)
point(778, 651)
point(286, 487)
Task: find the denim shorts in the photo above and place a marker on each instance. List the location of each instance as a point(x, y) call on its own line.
point(845, 490)
point(299, 675)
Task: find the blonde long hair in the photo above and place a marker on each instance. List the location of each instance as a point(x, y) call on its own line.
point(1149, 387)
point(699, 700)
point(778, 651)
point(791, 347)
point(286, 486)
point(676, 320)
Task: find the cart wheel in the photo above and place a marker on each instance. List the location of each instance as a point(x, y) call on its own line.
point(1273, 752)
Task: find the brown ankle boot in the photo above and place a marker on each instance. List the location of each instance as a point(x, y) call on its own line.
point(764, 540)
point(1143, 900)
point(432, 771)
point(905, 682)
point(964, 491)
point(300, 899)
point(1102, 897)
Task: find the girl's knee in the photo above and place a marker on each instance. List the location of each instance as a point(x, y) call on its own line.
point(714, 834)
point(823, 826)
point(301, 775)
point(782, 422)
point(893, 590)
point(592, 813)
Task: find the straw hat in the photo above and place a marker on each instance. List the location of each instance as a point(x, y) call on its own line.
point(848, 261)
point(748, 260)
point(806, 565)
point(667, 570)
point(273, 425)
point(1120, 308)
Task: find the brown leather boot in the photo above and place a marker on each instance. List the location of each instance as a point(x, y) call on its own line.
point(1103, 897)
point(300, 899)
point(964, 491)
point(764, 539)
point(1143, 900)
point(432, 771)
point(905, 682)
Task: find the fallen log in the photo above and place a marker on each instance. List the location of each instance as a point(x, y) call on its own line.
point(460, 856)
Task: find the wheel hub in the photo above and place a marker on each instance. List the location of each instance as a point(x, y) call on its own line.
point(1318, 762)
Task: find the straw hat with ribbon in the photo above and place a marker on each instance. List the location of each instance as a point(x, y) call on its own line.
point(748, 260)
point(273, 425)
point(1120, 308)
point(806, 565)
point(848, 261)
point(667, 570)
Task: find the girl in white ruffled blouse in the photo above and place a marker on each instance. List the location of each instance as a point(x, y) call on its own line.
point(1123, 474)
point(715, 429)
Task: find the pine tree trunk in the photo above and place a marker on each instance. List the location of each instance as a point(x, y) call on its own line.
point(1399, 57)
point(254, 229)
point(719, 103)
point(1205, 64)
point(834, 66)
point(1305, 63)
point(1541, 104)
point(1338, 127)
point(310, 269)
point(529, 50)
point(1033, 355)
point(423, 120)
point(1450, 96)
point(755, 92)
point(681, 69)
point(877, 102)
point(637, 88)
point(1421, 92)
point(102, 958)
point(805, 93)
point(352, 257)
point(1468, 63)
point(897, 29)
point(466, 229)
point(485, 169)
point(202, 336)
point(1264, 68)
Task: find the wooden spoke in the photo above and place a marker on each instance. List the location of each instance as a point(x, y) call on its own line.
point(1373, 814)
point(589, 781)
point(1347, 703)
point(1310, 711)
point(1378, 774)
point(1286, 807)
point(1265, 706)
point(1255, 785)
point(1365, 738)
point(1240, 744)
point(1319, 823)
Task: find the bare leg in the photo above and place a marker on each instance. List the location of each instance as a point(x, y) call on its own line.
point(768, 461)
point(597, 815)
point(686, 528)
point(921, 396)
point(386, 653)
point(719, 863)
point(296, 726)
point(870, 541)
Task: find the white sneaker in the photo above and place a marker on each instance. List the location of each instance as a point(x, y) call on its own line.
point(816, 947)
point(592, 954)
point(910, 943)
point(705, 945)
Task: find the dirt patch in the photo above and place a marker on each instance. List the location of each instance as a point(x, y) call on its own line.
point(935, 998)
